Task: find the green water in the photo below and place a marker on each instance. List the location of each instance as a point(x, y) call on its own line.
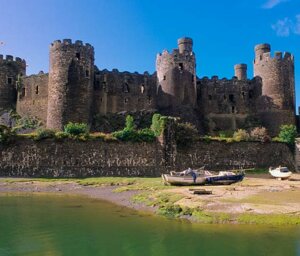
point(56, 225)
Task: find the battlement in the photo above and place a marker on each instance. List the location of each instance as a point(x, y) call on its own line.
point(77, 43)
point(213, 80)
point(10, 58)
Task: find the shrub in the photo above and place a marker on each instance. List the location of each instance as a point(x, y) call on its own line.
point(225, 134)
point(186, 133)
point(260, 134)
point(241, 135)
point(158, 124)
point(61, 135)
point(6, 134)
point(76, 129)
point(146, 135)
point(129, 125)
point(288, 133)
point(44, 134)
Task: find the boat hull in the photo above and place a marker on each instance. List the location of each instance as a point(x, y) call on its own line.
point(224, 180)
point(182, 180)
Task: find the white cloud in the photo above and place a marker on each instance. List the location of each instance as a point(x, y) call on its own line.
point(287, 26)
point(272, 3)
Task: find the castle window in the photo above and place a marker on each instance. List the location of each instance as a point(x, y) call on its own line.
point(231, 97)
point(149, 100)
point(142, 88)
point(233, 109)
point(23, 92)
point(78, 55)
point(210, 97)
point(87, 73)
point(9, 80)
point(126, 88)
point(100, 99)
point(224, 97)
point(243, 95)
point(251, 94)
point(165, 77)
point(193, 77)
point(126, 100)
point(36, 90)
point(180, 66)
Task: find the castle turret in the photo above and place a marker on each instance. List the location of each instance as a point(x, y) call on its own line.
point(278, 86)
point(71, 80)
point(176, 73)
point(240, 71)
point(11, 71)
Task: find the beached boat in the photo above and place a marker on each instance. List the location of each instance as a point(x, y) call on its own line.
point(202, 178)
point(225, 178)
point(182, 180)
point(281, 173)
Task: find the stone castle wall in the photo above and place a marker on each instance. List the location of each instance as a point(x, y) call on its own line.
point(78, 90)
point(33, 97)
point(50, 158)
point(123, 91)
point(11, 71)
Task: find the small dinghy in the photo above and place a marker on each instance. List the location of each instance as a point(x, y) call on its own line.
point(281, 173)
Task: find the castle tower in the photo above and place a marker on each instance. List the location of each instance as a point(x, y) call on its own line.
point(176, 74)
point(240, 71)
point(278, 86)
point(11, 72)
point(71, 79)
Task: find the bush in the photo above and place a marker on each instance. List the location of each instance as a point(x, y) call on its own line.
point(6, 134)
point(130, 134)
point(61, 135)
point(241, 135)
point(76, 129)
point(44, 134)
point(226, 134)
point(288, 133)
point(158, 124)
point(146, 135)
point(186, 133)
point(129, 125)
point(260, 134)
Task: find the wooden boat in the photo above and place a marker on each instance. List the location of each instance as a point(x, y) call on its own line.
point(224, 178)
point(281, 173)
point(203, 178)
point(180, 180)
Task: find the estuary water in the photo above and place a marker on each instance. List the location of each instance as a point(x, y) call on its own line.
point(67, 225)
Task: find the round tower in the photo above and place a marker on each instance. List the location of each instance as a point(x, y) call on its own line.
point(240, 71)
point(278, 86)
point(176, 74)
point(185, 44)
point(71, 79)
point(11, 72)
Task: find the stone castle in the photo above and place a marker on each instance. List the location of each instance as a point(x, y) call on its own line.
point(76, 90)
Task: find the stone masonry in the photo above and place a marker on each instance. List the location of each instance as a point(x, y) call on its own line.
point(76, 90)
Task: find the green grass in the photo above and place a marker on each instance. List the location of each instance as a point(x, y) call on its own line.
point(269, 219)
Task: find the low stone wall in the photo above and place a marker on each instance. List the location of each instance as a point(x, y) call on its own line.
point(223, 156)
point(50, 158)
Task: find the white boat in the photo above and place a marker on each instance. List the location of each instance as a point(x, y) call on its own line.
point(182, 180)
point(281, 173)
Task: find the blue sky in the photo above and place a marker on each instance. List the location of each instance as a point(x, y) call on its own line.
point(127, 34)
